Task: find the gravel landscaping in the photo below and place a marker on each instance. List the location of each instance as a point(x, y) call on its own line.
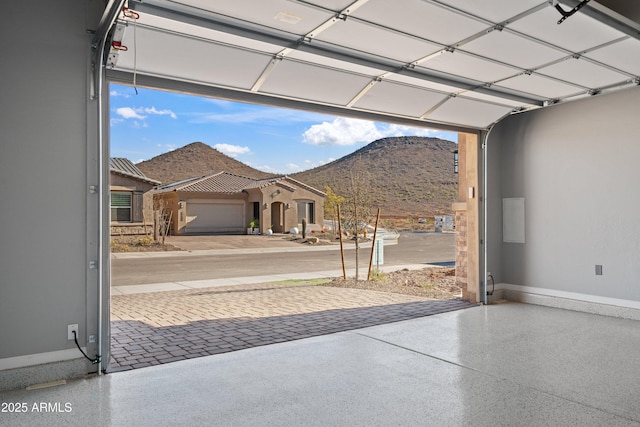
point(430, 282)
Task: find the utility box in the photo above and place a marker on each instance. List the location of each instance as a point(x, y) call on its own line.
point(442, 223)
point(378, 252)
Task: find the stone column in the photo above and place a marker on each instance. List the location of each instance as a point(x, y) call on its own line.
point(460, 210)
point(467, 219)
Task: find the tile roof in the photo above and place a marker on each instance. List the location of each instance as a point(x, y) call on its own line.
point(123, 166)
point(227, 183)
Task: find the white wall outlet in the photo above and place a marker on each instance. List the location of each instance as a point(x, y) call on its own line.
point(70, 329)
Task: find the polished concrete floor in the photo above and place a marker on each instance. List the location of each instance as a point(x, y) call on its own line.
point(506, 364)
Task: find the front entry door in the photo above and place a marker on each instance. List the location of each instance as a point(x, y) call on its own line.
point(277, 217)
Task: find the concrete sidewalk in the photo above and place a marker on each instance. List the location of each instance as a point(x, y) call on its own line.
point(211, 283)
point(241, 251)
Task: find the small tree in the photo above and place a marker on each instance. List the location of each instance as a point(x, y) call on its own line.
point(331, 203)
point(358, 210)
point(162, 217)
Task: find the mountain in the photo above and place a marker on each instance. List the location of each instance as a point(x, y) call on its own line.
point(195, 159)
point(407, 175)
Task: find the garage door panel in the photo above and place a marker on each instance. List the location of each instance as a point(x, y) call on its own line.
point(215, 217)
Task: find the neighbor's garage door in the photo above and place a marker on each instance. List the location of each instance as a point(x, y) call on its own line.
point(206, 216)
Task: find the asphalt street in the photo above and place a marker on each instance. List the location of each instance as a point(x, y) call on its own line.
point(412, 248)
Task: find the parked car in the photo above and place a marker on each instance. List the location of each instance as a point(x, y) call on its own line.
point(422, 220)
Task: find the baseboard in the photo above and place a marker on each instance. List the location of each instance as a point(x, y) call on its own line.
point(613, 307)
point(496, 295)
point(24, 376)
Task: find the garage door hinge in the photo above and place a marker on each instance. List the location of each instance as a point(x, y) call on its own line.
point(93, 264)
point(93, 189)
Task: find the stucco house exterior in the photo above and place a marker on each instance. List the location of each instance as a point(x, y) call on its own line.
point(226, 203)
point(131, 197)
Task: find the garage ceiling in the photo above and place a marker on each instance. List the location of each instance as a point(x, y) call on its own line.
point(450, 64)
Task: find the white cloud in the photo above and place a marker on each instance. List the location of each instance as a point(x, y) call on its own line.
point(310, 164)
point(231, 150)
point(399, 130)
point(343, 131)
point(114, 122)
point(153, 110)
point(265, 168)
point(137, 113)
point(292, 167)
point(129, 113)
point(115, 93)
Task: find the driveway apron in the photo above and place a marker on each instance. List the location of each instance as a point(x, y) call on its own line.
point(160, 327)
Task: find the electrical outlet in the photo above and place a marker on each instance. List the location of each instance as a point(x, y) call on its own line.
point(70, 329)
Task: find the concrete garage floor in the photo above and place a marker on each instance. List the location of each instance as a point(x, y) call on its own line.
point(506, 364)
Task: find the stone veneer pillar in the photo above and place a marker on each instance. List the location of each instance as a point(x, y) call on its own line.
point(460, 210)
point(467, 219)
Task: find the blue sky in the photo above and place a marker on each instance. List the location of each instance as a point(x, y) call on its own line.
point(279, 140)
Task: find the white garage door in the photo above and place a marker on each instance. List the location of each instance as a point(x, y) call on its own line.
point(206, 216)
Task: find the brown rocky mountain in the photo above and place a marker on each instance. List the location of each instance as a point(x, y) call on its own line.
point(407, 175)
point(193, 160)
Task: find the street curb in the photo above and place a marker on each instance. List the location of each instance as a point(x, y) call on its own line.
point(251, 280)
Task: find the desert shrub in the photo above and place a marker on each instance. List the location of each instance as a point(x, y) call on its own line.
point(144, 241)
point(377, 274)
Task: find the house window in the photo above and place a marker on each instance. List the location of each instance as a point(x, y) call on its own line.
point(306, 211)
point(121, 206)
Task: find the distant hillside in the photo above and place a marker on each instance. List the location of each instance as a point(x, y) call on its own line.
point(409, 175)
point(193, 160)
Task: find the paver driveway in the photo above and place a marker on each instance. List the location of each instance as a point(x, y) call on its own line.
point(160, 327)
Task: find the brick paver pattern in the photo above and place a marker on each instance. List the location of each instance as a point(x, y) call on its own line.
point(160, 327)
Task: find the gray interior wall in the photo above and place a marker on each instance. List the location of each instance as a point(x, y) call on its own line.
point(576, 165)
point(46, 237)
